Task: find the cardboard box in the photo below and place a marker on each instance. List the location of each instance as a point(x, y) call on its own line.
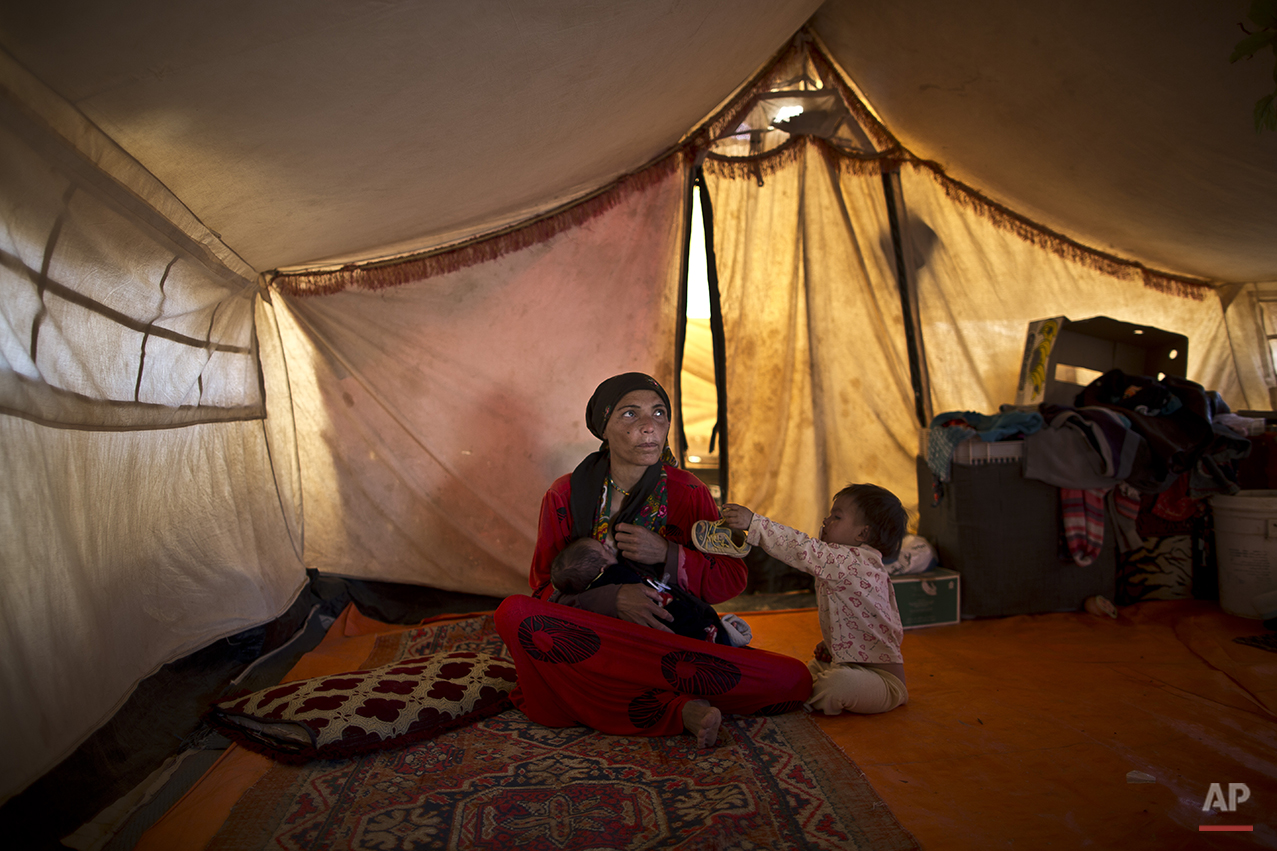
point(1061, 357)
point(932, 598)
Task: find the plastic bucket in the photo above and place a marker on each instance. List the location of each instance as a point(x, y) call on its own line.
point(1246, 552)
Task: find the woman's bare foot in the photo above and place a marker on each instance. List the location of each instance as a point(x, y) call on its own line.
point(702, 721)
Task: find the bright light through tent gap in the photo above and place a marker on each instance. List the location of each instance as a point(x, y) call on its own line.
point(697, 277)
point(787, 112)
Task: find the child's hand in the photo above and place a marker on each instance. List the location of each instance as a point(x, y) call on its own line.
point(736, 517)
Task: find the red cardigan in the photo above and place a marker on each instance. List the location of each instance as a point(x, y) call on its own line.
point(713, 578)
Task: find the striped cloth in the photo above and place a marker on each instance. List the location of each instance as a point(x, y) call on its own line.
point(1083, 512)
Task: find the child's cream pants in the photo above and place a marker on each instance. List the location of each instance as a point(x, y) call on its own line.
point(845, 687)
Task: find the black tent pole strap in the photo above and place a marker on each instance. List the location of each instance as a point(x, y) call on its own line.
point(716, 332)
point(908, 302)
point(680, 326)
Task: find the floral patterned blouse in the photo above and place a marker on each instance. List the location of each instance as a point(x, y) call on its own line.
point(858, 615)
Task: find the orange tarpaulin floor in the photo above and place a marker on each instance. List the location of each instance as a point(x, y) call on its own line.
point(1020, 732)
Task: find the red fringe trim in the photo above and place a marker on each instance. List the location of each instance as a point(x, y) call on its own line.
point(882, 138)
point(766, 164)
point(1060, 245)
point(394, 272)
point(1004, 218)
point(733, 113)
point(891, 155)
point(757, 166)
point(808, 45)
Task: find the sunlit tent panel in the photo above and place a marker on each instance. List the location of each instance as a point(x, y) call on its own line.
point(151, 502)
point(433, 415)
point(980, 285)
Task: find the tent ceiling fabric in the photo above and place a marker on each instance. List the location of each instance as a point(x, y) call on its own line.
point(306, 131)
point(1120, 124)
point(335, 130)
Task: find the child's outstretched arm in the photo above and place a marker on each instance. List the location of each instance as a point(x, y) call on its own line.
point(794, 548)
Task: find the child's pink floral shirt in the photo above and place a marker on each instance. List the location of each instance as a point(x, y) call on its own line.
point(857, 603)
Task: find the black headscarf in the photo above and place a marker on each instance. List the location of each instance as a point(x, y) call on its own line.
point(588, 477)
point(599, 409)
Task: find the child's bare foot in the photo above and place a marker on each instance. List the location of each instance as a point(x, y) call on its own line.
point(702, 721)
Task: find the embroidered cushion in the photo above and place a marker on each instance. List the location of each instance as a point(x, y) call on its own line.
point(341, 715)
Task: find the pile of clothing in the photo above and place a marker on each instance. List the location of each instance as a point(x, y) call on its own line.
point(1132, 446)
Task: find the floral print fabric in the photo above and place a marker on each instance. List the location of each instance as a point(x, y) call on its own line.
point(857, 603)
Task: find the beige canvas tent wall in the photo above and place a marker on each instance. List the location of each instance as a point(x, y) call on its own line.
point(227, 360)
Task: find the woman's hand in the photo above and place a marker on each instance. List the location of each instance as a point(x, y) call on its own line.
point(642, 605)
point(639, 544)
point(737, 517)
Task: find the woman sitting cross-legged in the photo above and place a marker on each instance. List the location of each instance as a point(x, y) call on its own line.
point(605, 658)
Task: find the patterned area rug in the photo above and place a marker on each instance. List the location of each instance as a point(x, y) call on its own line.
point(770, 783)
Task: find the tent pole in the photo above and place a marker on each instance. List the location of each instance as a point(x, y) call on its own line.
point(680, 326)
point(716, 332)
point(897, 217)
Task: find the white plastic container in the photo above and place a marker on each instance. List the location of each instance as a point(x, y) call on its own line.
point(974, 452)
point(1246, 552)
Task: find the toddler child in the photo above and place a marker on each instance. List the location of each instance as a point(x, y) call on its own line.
point(858, 666)
point(588, 563)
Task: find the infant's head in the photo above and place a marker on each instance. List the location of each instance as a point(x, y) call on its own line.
point(579, 564)
point(867, 514)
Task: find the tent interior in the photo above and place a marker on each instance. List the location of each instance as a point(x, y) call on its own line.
point(302, 304)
